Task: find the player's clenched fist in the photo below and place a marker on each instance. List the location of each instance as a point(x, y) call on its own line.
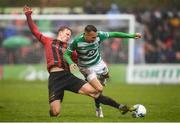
point(27, 10)
point(73, 67)
point(138, 35)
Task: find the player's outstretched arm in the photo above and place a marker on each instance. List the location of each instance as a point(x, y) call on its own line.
point(34, 29)
point(124, 35)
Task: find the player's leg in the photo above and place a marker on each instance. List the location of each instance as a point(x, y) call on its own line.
point(111, 102)
point(96, 75)
point(94, 81)
point(99, 112)
point(98, 86)
point(55, 108)
point(56, 92)
point(91, 77)
point(55, 101)
point(87, 89)
point(102, 72)
point(80, 86)
point(102, 78)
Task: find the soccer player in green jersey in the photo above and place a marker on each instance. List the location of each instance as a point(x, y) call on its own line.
point(90, 62)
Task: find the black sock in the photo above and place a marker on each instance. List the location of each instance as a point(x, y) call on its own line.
point(108, 101)
point(97, 103)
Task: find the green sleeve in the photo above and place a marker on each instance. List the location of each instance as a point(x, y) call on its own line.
point(103, 35)
point(68, 52)
point(121, 35)
point(67, 56)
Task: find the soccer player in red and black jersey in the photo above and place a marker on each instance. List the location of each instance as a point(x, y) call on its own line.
point(60, 78)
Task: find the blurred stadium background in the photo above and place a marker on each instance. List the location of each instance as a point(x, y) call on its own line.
point(155, 59)
point(158, 21)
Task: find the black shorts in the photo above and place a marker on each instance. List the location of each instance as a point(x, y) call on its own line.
point(60, 81)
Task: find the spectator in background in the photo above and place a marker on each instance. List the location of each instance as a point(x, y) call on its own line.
point(161, 28)
point(3, 56)
point(1, 36)
point(161, 36)
point(9, 30)
point(115, 47)
point(106, 52)
point(176, 43)
point(114, 24)
point(100, 8)
point(114, 9)
point(88, 7)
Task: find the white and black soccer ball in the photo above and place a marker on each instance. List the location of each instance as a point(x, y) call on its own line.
point(140, 111)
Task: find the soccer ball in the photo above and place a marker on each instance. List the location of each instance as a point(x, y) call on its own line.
point(140, 111)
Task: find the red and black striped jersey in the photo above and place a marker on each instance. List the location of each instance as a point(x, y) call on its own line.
point(54, 49)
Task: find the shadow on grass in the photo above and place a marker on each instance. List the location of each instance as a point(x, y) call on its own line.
point(1, 107)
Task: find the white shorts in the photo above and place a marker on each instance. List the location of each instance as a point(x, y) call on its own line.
point(92, 72)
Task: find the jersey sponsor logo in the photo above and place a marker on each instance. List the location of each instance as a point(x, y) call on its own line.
point(91, 52)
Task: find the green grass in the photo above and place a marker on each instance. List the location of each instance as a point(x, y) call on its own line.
point(28, 101)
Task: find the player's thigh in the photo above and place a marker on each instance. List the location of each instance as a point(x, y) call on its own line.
point(92, 79)
point(96, 84)
point(87, 89)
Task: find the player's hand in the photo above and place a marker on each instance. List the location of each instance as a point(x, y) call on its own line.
point(73, 67)
point(27, 10)
point(138, 35)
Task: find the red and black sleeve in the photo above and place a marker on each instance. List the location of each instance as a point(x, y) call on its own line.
point(34, 28)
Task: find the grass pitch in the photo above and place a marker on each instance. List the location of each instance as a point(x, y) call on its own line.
point(28, 101)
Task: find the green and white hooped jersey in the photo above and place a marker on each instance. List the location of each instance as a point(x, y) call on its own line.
point(88, 53)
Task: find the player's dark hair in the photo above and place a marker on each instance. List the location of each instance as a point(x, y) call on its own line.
point(90, 28)
point(62, 28)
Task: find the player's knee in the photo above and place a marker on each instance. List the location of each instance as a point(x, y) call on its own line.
point(106, 76)
point(94, 94)
point(54, 112)
point(99, 89)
